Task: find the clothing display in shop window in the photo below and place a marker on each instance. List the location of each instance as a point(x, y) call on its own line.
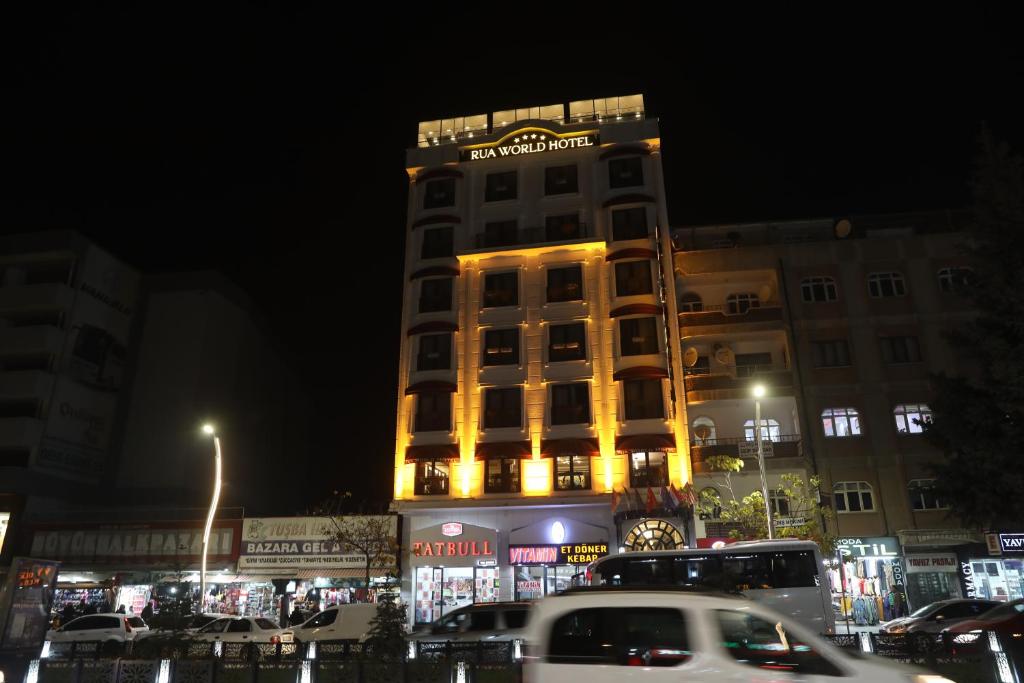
point(865, 611)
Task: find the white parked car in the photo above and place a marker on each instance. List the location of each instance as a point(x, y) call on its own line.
point(103, 628)
point(243, 630)
point(664, 635)
point(341, 622)
point(489, 622)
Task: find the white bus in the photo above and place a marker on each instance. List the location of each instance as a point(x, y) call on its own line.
point(785, 575)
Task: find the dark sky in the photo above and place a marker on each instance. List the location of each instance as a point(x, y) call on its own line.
point(270, 145)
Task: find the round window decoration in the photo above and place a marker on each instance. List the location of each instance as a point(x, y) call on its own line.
point(653, 534)
point(558, 532)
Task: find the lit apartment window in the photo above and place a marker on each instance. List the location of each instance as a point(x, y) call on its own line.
point(435, 295)
point(572, 472)
point(690, 303)
point(433, 411)
point(769, 430)
point(435, 352)
point(567, 342)
point(832, 353)
point(500, 186)
point(570, 404)
point(437, 242)
point(638, 336)
point(501, 347)
point(502, 476)
point(923, 495)
point(501, 289)
point(817, 290)
point(648, 469)
point(911, 417)
point(853, 496)
point(625, 172)
point(900, 350)
point(633, 278)
point(565, 284)
point(564, 227)
point(439, 193)
point(955, 279)
point(501, 233)
point(431, 478)
point(629, 224)
point(643, 398)
point(882, 285)
point(560, 180)
point(741, 302)
point(503, 407)
point(840, 422)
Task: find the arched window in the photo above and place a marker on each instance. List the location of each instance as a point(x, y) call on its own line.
point(653, 534)
point(713, 500)
point(741, 302)
point(955, 278)
point(882, 285)
point(912, 417)
point(840, 422)
point(853, 496)
point(703, 430)
point(769, 430)
point(690, 302)
point(816, 290)
point(923, 496)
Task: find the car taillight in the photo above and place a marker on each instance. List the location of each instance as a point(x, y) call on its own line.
point(274, 640)
point(127, 626)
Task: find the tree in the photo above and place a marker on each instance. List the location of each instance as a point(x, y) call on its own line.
point(387, 628)
point(806, 518)
point(978, 414)
point(372, 536)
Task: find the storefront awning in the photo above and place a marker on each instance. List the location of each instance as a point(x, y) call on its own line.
point(635, 309)
point(431, 386)
point(550, 448)
point(346, 573)
point(625, 150)
point(431, 220)
point(641, 372)
point(629, 199)
point(438, 172)
point(631, 253)
point(432, 326)
point(431, 271)
point(646, 442)
point(439, 451)
point(504, 449)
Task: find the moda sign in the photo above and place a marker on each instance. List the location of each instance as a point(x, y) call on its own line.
point(528, 141)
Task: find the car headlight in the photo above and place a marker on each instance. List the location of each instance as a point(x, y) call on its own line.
point(929, 678)
point(899, 628)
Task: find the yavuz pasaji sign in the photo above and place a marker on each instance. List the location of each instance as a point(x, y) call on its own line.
point(1011, 543)
point(528, 141)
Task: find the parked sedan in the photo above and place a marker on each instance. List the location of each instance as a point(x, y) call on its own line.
point(931, 619)
point(103, 628)
point(244, 630)
point(495, 621)
point(1007, 620)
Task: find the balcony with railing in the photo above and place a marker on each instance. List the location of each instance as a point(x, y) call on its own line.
point(779, 451)
point(706, 386)
point(509, 239)
point(769, 312)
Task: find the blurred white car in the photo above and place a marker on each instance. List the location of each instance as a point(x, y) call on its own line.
point(103, 628)
point(490, 621)
point(243, 630)
point(341, 622)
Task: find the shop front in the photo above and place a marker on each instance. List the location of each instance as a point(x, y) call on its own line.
point(868, 580)
point(932, 577)
point(551, 555)
point(454, 564)
point(994, 571)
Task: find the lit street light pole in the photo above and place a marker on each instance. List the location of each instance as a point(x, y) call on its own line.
point(758, 395)
point(209, 430)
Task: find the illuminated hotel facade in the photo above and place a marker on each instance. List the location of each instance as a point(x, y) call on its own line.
point(535, 374)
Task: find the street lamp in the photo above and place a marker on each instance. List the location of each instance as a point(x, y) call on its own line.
point(759, 391)
point(209, 431)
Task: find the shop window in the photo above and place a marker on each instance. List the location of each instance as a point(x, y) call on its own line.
point(769, 430)
point(624, 636)
point(435, 295)
point(653, 534)
point(431, 478)
point(502, 476)
point(501, 289)
point(956, 279)
point(503, 407)
point(629, 224)
point(564, 227)
point(570, 403)
point(644, 400)
point(757, 642)
point(501, 233)
point(749, 364)
point(638, 336)
point(911, 418)
point(439, 193)
point(435, 352)
point(437, 242)
point(433, 411)
point(501, 347)
point(648, 469)
point(923, 495)
point(560, 180)
point(833, 353)
point(567, 342)
point(840, 422)
point(625, 172)
point(900, 350)
point(690, 302)
point(703, 430)
point(633, 278)
point(853, 496)
point(818, 290)
point(500, 186)
point(572, 473)
point(739, 303)
point(565, 284)
point(885, 285)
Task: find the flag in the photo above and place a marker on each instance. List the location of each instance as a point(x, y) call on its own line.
point(615, 500)
point(638, 500)
point(652, 502)
point(684, 497)
point(667, 499)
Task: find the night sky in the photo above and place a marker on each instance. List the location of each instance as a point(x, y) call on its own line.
point(270, 145)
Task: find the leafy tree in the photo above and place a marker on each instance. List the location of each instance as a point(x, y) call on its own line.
point(387, 628)
point(373, 536)
point(977, 415)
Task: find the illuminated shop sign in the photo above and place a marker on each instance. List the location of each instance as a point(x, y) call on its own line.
point(568, 553)
point(876, 546)
point(453, 549)
point(528, 141)
point(477, 544)
point(1011, 543)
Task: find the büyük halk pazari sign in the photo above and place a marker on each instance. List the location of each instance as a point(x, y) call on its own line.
point(528, 141)
point(568, 553)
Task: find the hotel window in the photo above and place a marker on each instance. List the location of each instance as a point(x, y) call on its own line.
point(567, 342)
point(643, 399)
point(560, 180)
point(923, 495)
point(834, 353)
point(565, 284)
point(500, 186)
point(638, 336)
point(955, 279)
point(435, 295)
point(853, 496)
point(648, 469)
point(502, 476)
point(883, 285)
point(572, 473)
point(501, 233)
point(570, 404)
point(817, 290)
point(563, 227)
point(840, 422)
point(503, 408)
point(741, 303)
point(626, 172)
point(900, 350)
point(911, 417)
point(769, 430)
point(501, 289)
point(690, 303)
point(437, 243)
point(439, 193)
point(435, 352)
point(433, 411)
point(629, 224)
point(501, 347)
point(431, 478)
point(633, 278)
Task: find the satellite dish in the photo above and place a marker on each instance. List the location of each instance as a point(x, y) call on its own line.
point(690, 357)
point(723, 354)
point(702, 432)
point(765, 293)
point(843, 228)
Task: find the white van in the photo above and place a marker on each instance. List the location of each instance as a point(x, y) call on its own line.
point(341, 622)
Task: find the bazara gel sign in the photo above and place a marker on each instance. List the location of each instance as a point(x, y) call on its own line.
point(528, 141)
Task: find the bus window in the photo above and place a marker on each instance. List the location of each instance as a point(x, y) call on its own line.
point(648, 571)
point(748, 572)
point(794, 569)
point(698, 571)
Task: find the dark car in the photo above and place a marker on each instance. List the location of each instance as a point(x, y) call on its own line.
point(1007, 620)
point(933, 618)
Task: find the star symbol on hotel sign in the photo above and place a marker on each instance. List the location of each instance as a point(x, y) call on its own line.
point(516, 140)
point(533, 137)
point(541, 137)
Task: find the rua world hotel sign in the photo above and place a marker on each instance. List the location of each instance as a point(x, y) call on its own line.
point(528, 141)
